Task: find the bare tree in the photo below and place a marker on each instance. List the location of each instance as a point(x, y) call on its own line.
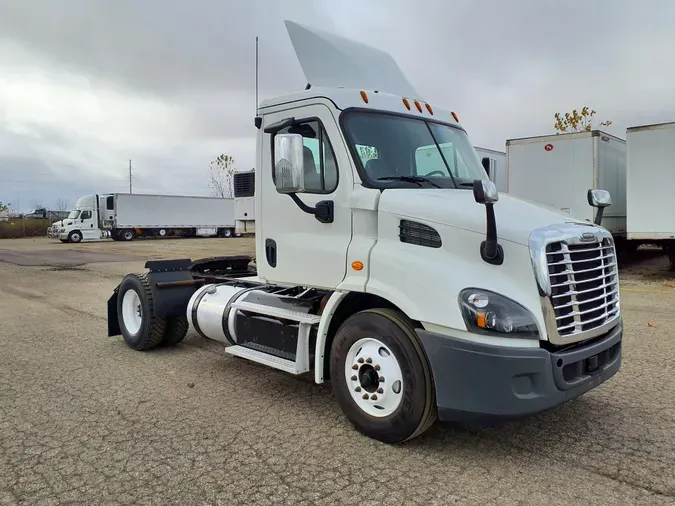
point(221, 171)
point(36, 204)
point(62, 205)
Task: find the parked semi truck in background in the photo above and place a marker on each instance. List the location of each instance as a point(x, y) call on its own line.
point(494, 163)
point(409, 284)
point(124, 217)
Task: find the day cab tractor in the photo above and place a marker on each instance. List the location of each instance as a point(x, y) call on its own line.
point(402, 278)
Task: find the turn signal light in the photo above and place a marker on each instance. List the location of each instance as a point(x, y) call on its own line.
point(357, 266)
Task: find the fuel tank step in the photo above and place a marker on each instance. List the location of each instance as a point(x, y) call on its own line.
point(264, 358)
point(286, 314)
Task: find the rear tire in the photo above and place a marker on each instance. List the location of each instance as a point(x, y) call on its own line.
point(127, 234)
point(227, 233)
point(135, 309)
point(392, 337)
point(176, 330)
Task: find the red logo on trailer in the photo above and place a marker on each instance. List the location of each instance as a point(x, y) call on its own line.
point(548, 147)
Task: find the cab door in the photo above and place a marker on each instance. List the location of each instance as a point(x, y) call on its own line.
point(87, 224)
point(296, 247)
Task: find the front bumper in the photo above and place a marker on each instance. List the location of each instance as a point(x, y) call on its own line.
point(477, 382)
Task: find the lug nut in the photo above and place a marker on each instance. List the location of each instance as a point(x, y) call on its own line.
point(353, 378)
point(373, 397)
point(360, 360)
point(380, 390)
point(357, 389)
point(355, 367)
point(381, 379)
point(365, 396)
point(377, 367)
point(369, 360)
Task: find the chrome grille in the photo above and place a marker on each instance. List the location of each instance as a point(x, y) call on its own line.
point(584, 285)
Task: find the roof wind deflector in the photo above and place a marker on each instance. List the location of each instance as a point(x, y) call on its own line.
point(329, 60)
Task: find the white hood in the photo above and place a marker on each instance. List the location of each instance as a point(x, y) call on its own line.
point(516, 218)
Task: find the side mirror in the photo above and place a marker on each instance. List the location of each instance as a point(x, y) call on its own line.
point(599, 199)
point(485, 191)
point(289, 168)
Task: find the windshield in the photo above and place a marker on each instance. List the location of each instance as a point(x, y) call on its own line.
point(399, 151)
point(73, 215)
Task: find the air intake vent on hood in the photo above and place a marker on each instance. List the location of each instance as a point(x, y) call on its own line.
point(412, 232)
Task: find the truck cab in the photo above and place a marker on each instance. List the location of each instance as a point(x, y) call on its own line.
point(82, 223)
point(387, 263)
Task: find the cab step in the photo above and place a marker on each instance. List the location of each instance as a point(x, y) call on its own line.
point(264, 358)
point(286, 314)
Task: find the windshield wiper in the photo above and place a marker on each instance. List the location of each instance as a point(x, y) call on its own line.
point(466, 184)
point(409, 179)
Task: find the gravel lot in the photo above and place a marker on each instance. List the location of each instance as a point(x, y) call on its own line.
point(86, 420)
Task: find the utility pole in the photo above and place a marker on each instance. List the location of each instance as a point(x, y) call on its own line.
point(130, 176)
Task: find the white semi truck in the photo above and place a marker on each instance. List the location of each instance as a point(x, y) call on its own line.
point(124, 216)
point(412, 288)
point(494, 163)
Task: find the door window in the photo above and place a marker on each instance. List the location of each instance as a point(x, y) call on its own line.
point(321, 172)
point(86, 215)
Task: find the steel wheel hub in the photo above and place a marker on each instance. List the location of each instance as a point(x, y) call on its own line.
point(374, 377)
point(132, 311)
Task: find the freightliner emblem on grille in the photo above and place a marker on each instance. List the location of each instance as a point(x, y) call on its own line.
point(587, 237)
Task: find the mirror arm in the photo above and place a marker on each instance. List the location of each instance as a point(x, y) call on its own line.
point(490, 250)
point(598, 216)
point(322, 212)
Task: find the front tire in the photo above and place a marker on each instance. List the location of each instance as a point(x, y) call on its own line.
point(381, 377)
point(75, 236)
point(135, 312)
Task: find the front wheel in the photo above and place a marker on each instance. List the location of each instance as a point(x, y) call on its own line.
point(381, 377)
point(75, 236)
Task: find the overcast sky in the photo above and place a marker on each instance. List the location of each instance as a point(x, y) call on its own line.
point(86, 85)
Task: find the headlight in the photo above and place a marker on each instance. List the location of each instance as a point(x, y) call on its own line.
point(489, 313)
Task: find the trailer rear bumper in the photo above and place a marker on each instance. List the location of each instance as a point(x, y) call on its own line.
point(478, 383)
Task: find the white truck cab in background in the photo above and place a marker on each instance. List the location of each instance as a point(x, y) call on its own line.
point(387, 263)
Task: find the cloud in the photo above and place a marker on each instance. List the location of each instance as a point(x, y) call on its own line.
point(86, 85)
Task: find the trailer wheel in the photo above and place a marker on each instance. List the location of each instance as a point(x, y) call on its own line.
point(140, 329)
point(127, 234)
point(227, 232)
point(176, 330)
point(162, 232)
point(75, 236)
point(381, 377)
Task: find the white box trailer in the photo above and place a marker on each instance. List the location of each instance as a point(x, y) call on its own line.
point(124, 216)
point(494, 163)
point(650, 155)
point(558, 170)
point(650, 178)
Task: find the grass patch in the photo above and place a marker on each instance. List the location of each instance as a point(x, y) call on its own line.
point(14, 229)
